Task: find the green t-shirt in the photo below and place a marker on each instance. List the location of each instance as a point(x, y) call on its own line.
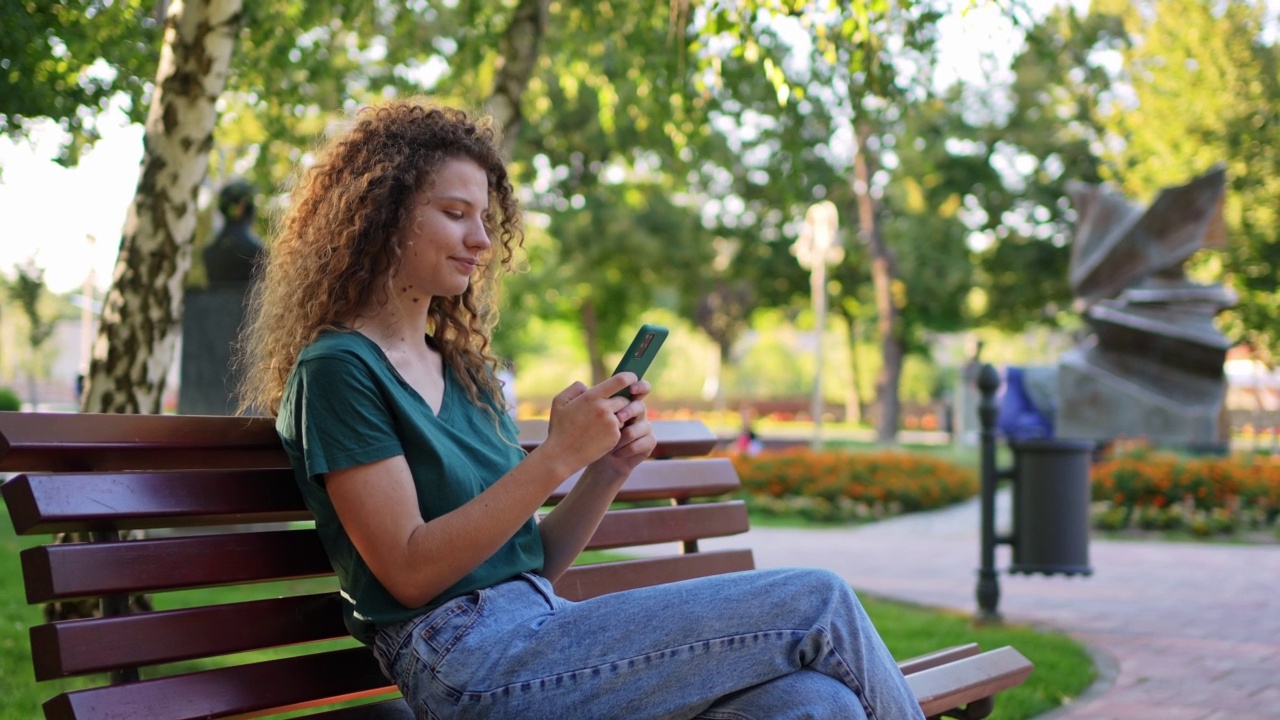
point(345, 405)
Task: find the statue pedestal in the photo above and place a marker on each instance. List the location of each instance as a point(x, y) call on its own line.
point(1105, 396)
point(210, 325)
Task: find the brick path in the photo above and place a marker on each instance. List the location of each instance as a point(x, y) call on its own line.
point(1184, 631)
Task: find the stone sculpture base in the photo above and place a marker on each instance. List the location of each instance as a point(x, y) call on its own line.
point(210, 324)
point(1107, 395)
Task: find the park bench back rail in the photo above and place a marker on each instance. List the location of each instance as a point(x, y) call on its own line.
point(220, 508)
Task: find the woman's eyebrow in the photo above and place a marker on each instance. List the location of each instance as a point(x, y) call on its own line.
point(458, 199)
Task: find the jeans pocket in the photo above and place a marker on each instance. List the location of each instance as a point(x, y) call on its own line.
point(445, 628)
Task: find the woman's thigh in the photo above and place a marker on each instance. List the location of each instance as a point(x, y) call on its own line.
point(668, 651)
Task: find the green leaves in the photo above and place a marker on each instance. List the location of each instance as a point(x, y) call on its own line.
point(1206, 88)
point(28, 289)
point(66, 60)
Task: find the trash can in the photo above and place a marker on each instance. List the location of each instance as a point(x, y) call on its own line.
point(1051, 506)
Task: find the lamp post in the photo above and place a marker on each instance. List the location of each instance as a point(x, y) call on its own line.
point(817, 246)
point(86, 320)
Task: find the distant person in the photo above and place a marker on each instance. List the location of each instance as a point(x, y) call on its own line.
point(747, 443)
point(234, 253)
point(371, 343)
point(507, 376)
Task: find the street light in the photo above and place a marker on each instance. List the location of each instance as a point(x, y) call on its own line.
point(818, 245)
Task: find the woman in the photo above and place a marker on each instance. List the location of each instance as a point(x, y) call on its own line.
point(369, 341)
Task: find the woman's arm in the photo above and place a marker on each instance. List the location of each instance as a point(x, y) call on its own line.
point(416, 560)
point(568, 527)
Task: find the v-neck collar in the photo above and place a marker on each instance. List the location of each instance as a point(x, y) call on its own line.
point(438, 413)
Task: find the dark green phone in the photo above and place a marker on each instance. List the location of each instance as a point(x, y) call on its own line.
point(640, 353)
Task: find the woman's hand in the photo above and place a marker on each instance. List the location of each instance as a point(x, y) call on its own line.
point(636, 441)
point(586, 423)
point(568, 527)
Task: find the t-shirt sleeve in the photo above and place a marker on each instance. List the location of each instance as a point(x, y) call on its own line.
point(340, 418)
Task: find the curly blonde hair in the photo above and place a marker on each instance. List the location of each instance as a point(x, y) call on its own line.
point(339, 244)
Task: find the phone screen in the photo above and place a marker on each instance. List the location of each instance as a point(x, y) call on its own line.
point(640, 353)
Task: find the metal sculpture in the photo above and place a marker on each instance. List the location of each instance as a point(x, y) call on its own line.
point(1153, 365)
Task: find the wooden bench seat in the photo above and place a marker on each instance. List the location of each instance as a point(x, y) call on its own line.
point(219, 508)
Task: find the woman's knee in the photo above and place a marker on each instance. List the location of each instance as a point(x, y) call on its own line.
point(816, 583)
point(801, 695)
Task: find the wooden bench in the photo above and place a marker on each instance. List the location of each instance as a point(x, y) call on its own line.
point(219, 508)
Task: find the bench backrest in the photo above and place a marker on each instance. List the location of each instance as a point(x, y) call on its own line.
point(220, 508)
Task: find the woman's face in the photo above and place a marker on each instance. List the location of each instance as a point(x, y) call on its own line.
point(445, 240)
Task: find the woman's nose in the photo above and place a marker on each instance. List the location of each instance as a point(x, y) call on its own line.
point(478, 236)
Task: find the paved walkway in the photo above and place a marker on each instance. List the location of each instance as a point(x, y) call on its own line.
point(1185, 631)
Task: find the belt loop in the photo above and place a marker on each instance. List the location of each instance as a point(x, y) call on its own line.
point(544, 588)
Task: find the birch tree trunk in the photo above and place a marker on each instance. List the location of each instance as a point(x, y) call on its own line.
point(142, 313)
point(883, 276)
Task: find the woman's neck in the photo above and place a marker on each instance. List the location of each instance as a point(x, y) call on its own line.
point(395, 332)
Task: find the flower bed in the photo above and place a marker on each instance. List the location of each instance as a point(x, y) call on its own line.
point(833, 486)
point(1146, 490)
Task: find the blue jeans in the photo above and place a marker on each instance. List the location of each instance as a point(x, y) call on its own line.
point(746, 646)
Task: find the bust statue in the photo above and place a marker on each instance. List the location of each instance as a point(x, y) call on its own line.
point(231, 257)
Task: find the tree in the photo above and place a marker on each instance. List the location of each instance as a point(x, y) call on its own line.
point(599, 153)
point(1063, 81)
point(518, 55)
point(59, 59)
point(884, 273)
point(617, 246)
point(28, 290)
point(141, 316)
point(1205, 90)
point(723, 313)
point(295, 78)
point(1144, 96)
point(848, 75)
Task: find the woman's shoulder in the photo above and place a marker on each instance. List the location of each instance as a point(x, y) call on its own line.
point(339, 344)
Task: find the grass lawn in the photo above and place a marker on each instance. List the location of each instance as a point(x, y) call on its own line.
point(1063, 668)
point(19, 698)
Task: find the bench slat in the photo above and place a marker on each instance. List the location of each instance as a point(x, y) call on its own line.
point(671, 479)
point(938, 657)
point(45, 503)
point(65, 571)
point(257, 688)
point(40, 503)
point(967, 680)
point(587, 581)
point(75, 442)
point(74, 570)
point(394, 709)
point(102, 644)
point(71, 442)
point(676, 438)
point(647, 526)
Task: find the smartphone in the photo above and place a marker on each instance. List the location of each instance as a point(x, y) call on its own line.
point(640, 353)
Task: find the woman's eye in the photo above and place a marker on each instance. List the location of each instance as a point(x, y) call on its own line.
point(456, 215)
